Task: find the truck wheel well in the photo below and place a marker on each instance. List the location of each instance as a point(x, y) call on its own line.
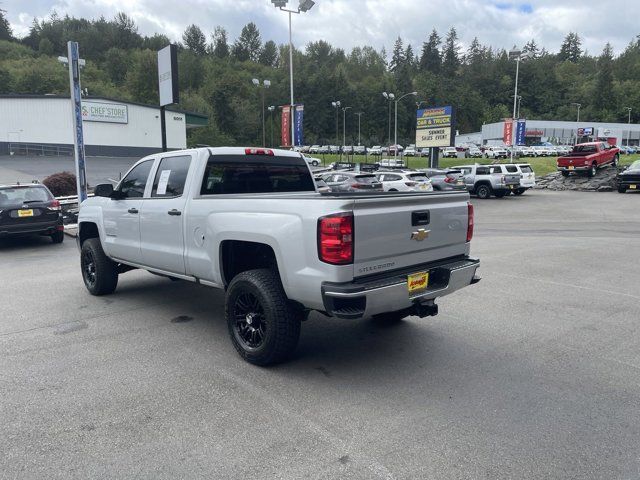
point(87, 230)
point(482, 182)
point(237, 256)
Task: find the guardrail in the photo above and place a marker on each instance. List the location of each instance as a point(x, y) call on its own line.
point(40, 149)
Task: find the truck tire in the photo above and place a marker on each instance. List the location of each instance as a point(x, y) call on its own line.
point(593, 170)
point(616, 159)
point(622, 189)
point(483, 191)
point(99, 272)
point(519, 191)
point(57, 237)
point(263, 326)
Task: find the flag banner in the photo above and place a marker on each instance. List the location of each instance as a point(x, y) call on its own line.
point(298, 122)
point(521, 130)
point(285, 135)
point(507, 135)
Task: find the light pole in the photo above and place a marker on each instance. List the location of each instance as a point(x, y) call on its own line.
point(395, 135)
point(262, 86)
point(344, 126)
point(389, 97)
point(419, 103)
point(517, 55)
point(336, 105)
point(303, 6)
point(271, 108)
point(359, 116)
point(577, 119)
point(629, 125)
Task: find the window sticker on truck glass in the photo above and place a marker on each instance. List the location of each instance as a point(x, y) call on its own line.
point(163, 181)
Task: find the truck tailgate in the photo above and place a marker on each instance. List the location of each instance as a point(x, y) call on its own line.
point(392, 232)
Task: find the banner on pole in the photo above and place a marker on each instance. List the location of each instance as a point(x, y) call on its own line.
point(298, 124)
point(285, 135)
point(507, 133)
point(521, 130)
point(434, 127)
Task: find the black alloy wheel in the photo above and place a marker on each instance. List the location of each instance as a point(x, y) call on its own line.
point(88, 268)
point(250, 326)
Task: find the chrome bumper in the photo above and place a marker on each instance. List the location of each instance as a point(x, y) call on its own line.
point(383, 294)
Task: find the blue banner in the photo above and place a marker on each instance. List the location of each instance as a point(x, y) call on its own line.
point(298, 137)
point(521, 131)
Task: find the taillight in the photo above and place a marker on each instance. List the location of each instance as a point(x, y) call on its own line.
point(258, 151)
point(410, 184)
point(359, 185)
point(54, 205)
point(335, 239)
point(469, 221)
point(449, 179)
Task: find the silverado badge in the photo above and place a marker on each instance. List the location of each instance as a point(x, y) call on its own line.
point(420, 234)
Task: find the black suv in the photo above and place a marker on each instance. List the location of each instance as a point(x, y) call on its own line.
point(30, 209)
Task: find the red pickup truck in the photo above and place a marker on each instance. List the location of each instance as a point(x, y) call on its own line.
point(588, 157)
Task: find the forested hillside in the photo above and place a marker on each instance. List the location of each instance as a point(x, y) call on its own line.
point(216, 73)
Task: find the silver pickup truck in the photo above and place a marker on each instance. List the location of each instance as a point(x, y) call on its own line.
point(251, 222)
point(487, 180)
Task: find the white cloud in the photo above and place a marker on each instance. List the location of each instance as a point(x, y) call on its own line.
point(347, 23)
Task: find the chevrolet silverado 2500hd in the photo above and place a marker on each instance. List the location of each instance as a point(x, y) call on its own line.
point(251, 222)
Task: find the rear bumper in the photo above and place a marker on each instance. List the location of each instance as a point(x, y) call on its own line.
point(574, 168)
point(41, 228)
point(390, 293)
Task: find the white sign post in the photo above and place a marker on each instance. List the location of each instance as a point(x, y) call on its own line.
point(74, 61)
point(167, 84)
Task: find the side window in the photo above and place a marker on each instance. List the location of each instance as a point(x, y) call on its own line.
point(393, 178)
point(496, 169)
point(482, 171)
point(133, 185)
point(171, 177)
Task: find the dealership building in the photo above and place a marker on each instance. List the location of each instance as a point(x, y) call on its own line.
point(43, 124)
point(558, 133)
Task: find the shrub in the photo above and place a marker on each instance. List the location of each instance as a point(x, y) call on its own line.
point(61, 184)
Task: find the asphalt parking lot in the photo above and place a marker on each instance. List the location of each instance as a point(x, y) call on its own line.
point(532, 373)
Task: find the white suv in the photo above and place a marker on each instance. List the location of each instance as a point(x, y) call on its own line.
point(496, 152)
point(449, 152)
point(375, 150)
point(405, 181)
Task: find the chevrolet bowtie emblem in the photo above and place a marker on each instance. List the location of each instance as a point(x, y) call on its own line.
point(420, 235)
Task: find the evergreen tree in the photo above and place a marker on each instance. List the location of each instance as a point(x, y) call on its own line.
point(195, 40)
point(430, 59)
point(571, 48)
point(475, 52)
point(220, 45)
point(248, 45)
point(603, 95)
point(450, 55)
point(397, 57)
point(531, 47)
point(5, 27)
point(269, 54)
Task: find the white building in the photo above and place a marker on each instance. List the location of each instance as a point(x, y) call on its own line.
point(29, 123)
point(558, 133)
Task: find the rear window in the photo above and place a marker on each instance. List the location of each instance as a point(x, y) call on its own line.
point(232, 174)
point(19, 195)
point(512, 169)
point(584, 148)
point(366, 178)
point(418, 177)
point(526, 169)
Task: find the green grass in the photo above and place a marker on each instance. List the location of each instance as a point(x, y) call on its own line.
point(541, 166)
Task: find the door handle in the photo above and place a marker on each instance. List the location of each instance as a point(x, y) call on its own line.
point(175, 212)
point(133, 210)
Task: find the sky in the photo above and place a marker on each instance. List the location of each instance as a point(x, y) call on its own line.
point(349, 23)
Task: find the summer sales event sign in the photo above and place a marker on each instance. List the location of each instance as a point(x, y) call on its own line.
point(104, 112)
point(433, 128)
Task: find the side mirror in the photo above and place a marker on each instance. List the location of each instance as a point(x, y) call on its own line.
point(103, 190)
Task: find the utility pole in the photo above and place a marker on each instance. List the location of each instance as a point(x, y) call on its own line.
point(629, 126)
point(271, 109)
point(336, 105)
point(344, 126)
point(265, 84)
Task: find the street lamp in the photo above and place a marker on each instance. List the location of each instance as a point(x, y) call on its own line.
point(344, 126)
point(419, 103)
point(577, 119)
point(389, 97)
point(359, 116)
point(395, 135)
point(303, 6)
point(263, 86)
point(336, 105)
point(271, 108)
point(517, 55)
point(629, 127)
point(518, 111)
